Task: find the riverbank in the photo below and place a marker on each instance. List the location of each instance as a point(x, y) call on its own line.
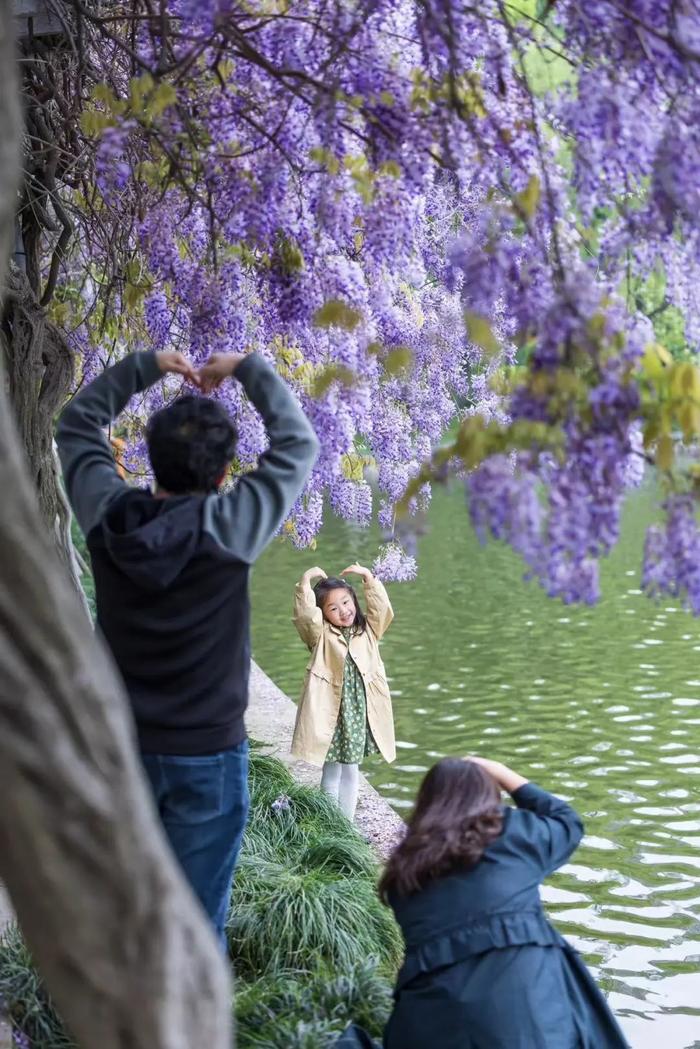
point(299, 979)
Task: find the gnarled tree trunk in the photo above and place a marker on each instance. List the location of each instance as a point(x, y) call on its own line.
point(39, 369)
point(38, 361)
point(118, 937)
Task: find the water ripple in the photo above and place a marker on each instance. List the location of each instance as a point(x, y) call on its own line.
point(595, 704)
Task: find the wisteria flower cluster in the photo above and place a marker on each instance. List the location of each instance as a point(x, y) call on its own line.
point(342, 187)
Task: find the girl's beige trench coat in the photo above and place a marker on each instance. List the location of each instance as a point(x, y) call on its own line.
point(319, 705)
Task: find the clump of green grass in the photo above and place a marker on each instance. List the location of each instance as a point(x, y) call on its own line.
point(312, 946)
point(305, 891)
point(299, 1010)
point(23, 997)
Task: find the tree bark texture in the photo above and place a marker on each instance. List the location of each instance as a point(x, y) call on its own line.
point(123, 947)
point(38, 360)
point(39, 371)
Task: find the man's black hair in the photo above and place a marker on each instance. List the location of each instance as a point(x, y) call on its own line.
point(191, 443)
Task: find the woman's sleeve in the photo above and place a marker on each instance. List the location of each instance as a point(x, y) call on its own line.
point(308, 617)
point(379, 610)
point(554, 831)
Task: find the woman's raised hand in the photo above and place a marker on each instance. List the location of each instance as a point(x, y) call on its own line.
point(504, 777)
point(358, 570)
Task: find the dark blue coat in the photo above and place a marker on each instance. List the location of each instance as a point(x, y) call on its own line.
point(484, 969)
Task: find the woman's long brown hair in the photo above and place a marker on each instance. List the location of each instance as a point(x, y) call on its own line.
point(457, 814)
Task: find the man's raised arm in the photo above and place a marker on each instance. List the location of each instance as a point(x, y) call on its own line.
point(89, 470)
point(245, 519)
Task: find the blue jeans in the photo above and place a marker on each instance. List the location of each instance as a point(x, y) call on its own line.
point(203, 805)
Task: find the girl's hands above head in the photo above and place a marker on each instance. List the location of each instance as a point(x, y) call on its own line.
point(358, 570)
point(313, 573)
point(504, 777)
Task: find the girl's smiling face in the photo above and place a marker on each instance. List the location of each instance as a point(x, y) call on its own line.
point(339, 608)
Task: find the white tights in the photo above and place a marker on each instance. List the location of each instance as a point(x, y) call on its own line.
point(342, 782)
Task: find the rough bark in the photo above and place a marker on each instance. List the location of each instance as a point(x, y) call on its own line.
point(121, 944)
point(38, 361)
point(39, 371)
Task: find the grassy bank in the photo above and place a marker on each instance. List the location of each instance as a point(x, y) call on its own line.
point(312, 947)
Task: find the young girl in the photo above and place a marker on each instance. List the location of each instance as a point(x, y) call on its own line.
point(483, 968)
point(345, 708)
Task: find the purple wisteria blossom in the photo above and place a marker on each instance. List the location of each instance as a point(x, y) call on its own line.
point(672, 554)
point(394, 564)
point(349, 187)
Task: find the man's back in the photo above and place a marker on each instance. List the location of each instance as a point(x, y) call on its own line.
point(171, 576)
point(172, 605)
point(171, 571)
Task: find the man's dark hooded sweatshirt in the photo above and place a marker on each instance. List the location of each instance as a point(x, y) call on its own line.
point(171, 574)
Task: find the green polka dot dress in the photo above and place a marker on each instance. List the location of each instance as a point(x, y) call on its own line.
point(352, 739)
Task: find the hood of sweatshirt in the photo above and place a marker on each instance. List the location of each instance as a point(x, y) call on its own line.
point(152, 540)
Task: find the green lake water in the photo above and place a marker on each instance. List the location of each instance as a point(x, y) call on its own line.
point(601, 706)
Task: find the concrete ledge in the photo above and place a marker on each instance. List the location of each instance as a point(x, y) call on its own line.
point(270, 719)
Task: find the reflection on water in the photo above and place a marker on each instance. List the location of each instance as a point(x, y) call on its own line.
point(600, 705)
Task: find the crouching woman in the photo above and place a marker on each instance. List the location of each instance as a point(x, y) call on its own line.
point(483, 967)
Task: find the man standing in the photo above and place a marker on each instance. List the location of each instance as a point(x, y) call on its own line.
point(171, 578)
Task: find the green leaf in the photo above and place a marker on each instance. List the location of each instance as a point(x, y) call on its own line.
point(361, 175)
point(152, 172)
point(651, 432)
point(138, 89)
point(103, 93)
point(655, 362)
point(93, 123)
point(353, 466)
point(162, 98)
point(337, 314)
point(133, 294)
point(330, 374)
point(689, 418)
point(664, 452)
point(323, 156)
point(480, 332)
point(685, 380)
point(290, 256)
point(528, 200)
point(469, 93)
point(399, 360)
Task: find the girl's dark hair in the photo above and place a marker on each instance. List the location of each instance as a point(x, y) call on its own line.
point(457, 814)
point(322, 589)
